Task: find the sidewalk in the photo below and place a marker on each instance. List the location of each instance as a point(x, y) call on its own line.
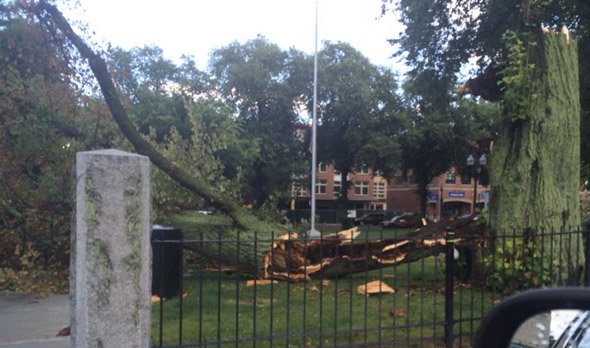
point(27, 322)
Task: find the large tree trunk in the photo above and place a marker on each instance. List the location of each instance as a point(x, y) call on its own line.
point(535, 162)
point(423, 194)
point(534, 167)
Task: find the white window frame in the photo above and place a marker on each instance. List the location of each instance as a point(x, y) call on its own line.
point(298, 190)
point(364, 169)
point(379, 190)
point(336, 187)
point(321, 185)
point(361, 188)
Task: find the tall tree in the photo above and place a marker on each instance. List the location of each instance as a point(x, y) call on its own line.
point(437, 140)
point(535, 166)
point(160, 95)
point(359, 113)
point(254, 78)
point(440, 128)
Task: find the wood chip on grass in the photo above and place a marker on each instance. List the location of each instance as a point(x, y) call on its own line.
point(260, 282)
point(375, 287)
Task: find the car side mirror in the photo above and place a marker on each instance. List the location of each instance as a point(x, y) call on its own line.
point(538, 318)
point(554, 328)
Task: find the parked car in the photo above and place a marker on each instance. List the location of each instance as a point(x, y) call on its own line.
point(370, 219)
point(405, 220)
point(386, 223)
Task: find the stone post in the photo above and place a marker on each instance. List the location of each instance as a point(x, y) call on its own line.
point(110, 269)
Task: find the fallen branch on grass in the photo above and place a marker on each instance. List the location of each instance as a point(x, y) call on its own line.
point(340, 254)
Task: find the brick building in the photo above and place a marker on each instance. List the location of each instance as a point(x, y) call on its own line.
point(450, 191)
point(366, 190)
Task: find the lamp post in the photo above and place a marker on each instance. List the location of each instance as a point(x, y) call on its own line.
point(475, 168)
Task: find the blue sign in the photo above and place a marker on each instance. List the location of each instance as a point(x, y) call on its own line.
point(457, 194)
point(432, 197)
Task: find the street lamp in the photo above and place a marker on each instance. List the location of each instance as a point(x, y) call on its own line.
point(474, 169)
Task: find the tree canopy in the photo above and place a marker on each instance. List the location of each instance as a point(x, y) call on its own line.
point(441, 37)
point(255, 79)
point(359, 112)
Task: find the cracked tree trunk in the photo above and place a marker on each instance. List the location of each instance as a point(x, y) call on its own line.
point(535, 166)
point(535, 162)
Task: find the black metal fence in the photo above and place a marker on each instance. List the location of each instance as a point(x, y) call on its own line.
point(437, 300)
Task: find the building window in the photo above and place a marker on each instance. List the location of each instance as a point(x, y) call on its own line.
point(379, 190)
point(465, 179)
point(378, 173)
point(337, 172)
point(297, 190)
point(364, 169)
point(322, 168)
point(361, 188)
point(450, 178)
point(321, 187)
point(337, 188)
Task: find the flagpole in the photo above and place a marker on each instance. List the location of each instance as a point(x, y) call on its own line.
point(313, 233)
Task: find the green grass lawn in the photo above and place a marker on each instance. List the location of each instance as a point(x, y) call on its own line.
point(220, 307)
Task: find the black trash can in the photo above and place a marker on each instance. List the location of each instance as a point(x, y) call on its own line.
point(166, 261)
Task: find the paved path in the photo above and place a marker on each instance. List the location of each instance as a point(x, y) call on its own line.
point(27, 322)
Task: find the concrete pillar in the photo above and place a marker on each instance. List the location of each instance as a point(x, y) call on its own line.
point(110, 269)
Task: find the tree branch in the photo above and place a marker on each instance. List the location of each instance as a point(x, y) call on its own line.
point(51, 15)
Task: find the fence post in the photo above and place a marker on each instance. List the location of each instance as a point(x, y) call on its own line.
point(449, 282)
point(110, 269)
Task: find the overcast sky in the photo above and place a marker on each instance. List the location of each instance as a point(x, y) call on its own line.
point(195, 27)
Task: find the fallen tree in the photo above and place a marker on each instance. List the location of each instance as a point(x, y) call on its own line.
point(340, 254)
point(296, 259)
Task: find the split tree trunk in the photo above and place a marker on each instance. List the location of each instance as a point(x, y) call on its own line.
point(340, 254)
point(534, 167)
point(222, 248)
point(535, 162)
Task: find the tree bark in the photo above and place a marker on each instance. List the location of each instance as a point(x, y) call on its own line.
point(342, 203)
point(535, 162)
